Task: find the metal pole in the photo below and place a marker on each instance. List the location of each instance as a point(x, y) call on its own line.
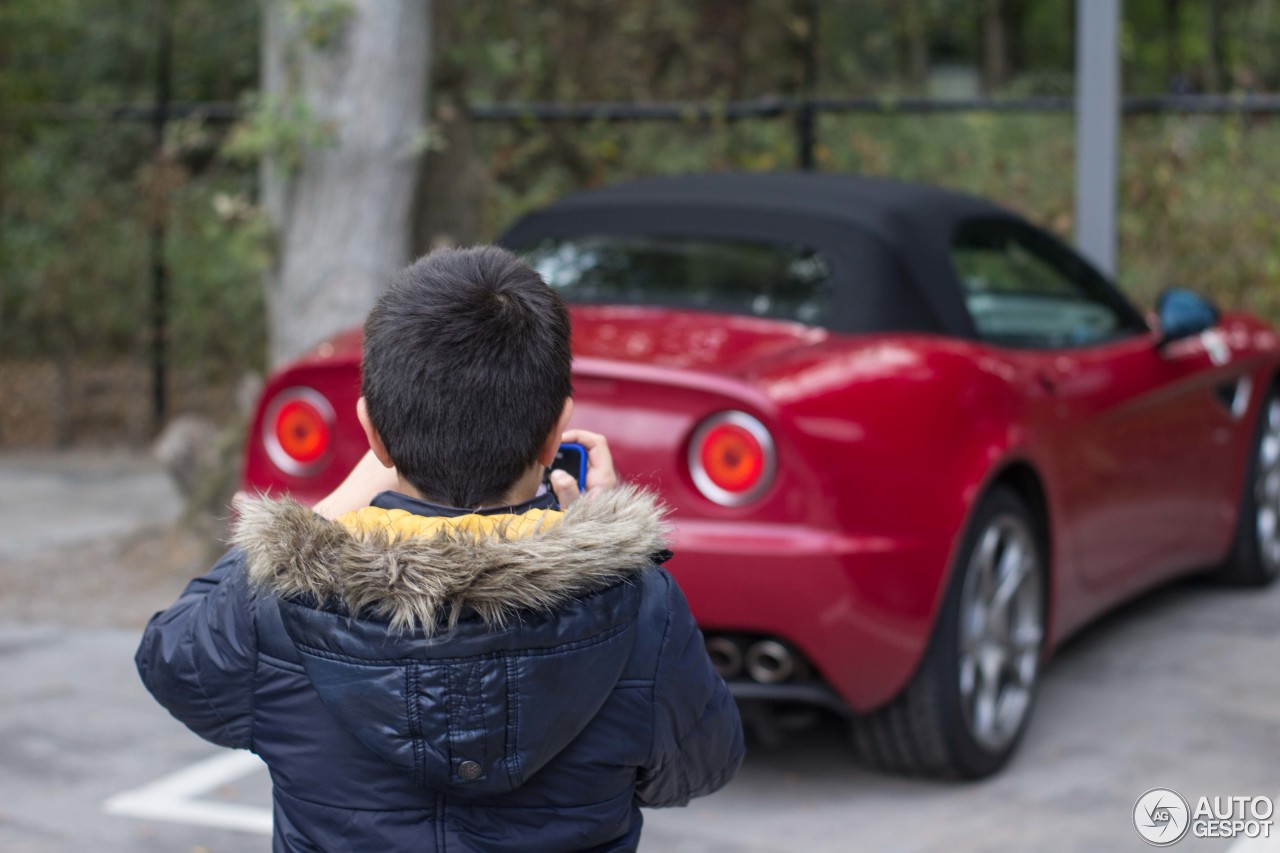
point(158, 263)
point(806, 118)
point(1097, 128)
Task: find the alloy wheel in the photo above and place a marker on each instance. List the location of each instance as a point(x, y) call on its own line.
point(1001, 629)
point(1267, 488)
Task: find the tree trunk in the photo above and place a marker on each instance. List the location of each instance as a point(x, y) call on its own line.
point(343, 215)
point(1216, 73)
point(994, 59)
point(1014, 14)
point(1173, 47)
point(1070, 25)
point(917, 44)
point(449, 203)
point(63, 400)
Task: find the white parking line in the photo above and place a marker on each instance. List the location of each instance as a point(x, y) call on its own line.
point(174, 798)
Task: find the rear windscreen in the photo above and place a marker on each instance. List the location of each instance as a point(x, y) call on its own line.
point(758, 279)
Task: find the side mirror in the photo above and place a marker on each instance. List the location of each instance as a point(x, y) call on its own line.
point(1182, 314)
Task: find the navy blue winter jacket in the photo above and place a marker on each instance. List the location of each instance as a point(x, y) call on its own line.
point(415, 681)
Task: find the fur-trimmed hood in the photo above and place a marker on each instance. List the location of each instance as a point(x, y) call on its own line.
point(427, 572)
point(467, 651)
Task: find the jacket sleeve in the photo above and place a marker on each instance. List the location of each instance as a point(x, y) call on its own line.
point(198, 657)
point(697, 734)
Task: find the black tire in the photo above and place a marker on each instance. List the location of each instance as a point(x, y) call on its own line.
point(1246, 565)
point(924, 730)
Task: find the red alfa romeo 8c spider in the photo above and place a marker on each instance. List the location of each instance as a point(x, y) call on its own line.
point(911, 442)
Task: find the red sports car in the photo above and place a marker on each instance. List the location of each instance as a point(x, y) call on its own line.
point(911, 441)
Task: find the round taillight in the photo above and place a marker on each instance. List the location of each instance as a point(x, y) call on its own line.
point(731, 458)
point(298, 430)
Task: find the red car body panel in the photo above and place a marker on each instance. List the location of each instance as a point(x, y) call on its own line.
point(884, 444)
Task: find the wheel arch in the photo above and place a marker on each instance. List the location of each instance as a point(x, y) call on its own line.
point(1025, 480)
point(908, 732)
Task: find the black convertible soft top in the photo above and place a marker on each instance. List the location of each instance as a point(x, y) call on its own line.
point(888, 242)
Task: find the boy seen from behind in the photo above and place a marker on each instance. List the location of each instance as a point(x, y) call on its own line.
point(442, 655)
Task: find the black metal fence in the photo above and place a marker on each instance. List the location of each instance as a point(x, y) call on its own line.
point(801, 112)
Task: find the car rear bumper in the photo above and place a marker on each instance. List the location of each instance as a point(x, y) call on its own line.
point(859, 608)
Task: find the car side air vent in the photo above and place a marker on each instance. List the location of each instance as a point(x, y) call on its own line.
point(1234, 396)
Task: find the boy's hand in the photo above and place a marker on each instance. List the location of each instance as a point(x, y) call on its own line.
point(367, 479)
point(600, 474)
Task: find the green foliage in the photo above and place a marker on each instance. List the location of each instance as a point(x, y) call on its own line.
point(1199, 207)
point(75, 260)
point(1196, 193)
point(78, 200)
point(320, 22)
point(282, 128)
point(626, 50)
point(74, 245)
point(217, 316)
point(1198, 203)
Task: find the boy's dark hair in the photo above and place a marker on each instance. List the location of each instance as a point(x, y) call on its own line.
point(466, 370)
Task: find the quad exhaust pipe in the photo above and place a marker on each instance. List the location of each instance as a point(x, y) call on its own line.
point(769, 662)
point(726, 657)
point(773, 684)
point(764, 661)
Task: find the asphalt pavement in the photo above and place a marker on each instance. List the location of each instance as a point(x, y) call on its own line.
point(51, 501)
point(1179, 690)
